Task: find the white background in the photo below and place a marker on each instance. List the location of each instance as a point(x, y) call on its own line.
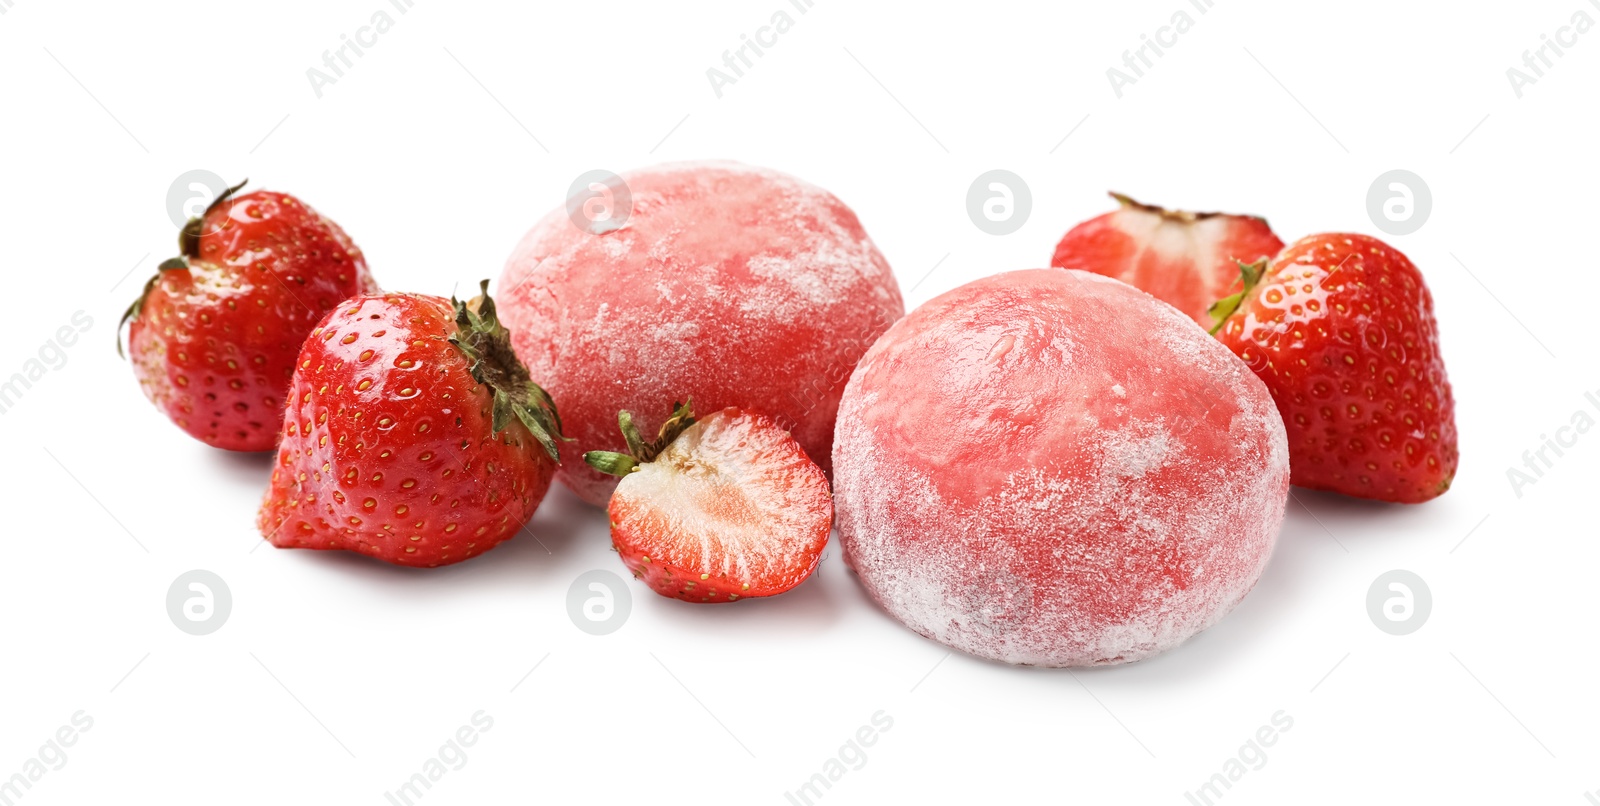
point(335, 678)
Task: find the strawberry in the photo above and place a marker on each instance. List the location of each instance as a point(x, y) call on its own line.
point(1187, 260)
point(215, 332)
point(1341, 329)
point(412, 434)
point(719, 509)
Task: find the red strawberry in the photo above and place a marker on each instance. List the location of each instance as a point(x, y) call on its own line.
point(215, 332)
point(721, 509)
point(1187, 260)
point(413, 434)
point(1341, 329)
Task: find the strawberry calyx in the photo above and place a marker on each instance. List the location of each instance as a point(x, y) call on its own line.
point(189, 236)
point(639, 451)
point(1181, 216)
point(188, 249)
point(487, 344)
point(1250, 275)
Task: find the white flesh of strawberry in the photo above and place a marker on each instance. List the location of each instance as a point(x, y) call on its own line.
point(726, 498)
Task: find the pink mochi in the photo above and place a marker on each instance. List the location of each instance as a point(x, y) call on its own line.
point(725, 283)
point(1053, 468)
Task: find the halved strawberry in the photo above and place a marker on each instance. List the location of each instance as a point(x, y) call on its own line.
point(1187, 260)
point(715, 510)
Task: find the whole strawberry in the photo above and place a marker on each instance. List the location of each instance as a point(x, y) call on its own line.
point(1341, 329)
point(412, 434)
point(215, 332)
point(1187, 260)
point(716, 510)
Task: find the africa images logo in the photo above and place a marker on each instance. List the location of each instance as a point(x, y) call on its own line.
point(1538, 60)
point(1538, 460)
point(738, 60)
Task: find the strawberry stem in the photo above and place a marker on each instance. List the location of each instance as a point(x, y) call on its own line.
point(188, 248)
point(189, 236)
point(1250, 275)
point(1182, 216)
point(611, 462)
point(639, 451)
point(132, 312)
point(487, 344)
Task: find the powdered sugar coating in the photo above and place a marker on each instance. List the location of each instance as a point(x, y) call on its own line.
point(733, 285)
point(1053, 468)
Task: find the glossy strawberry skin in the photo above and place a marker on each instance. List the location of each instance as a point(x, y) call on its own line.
point(732, 509)
point(213, 344)
point(1341, 329)
point(388, 448)
point(1187, 260)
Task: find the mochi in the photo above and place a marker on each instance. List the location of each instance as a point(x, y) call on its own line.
point(1053, 468)
point(722, 283)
